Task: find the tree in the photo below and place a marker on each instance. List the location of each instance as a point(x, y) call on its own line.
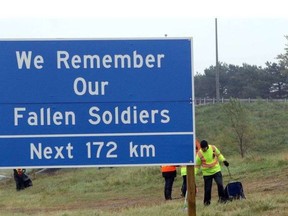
point(205, 84)
point(239, 121)
point(283, 58)
point(279, 75)
point(278, 80)
point(246, 81)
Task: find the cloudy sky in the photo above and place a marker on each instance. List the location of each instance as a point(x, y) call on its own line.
point(248, 31)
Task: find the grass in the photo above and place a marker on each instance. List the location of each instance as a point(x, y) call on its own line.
point(139, 190)
point(268, 121)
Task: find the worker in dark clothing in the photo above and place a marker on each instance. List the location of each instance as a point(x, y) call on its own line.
point(207, 159)
point(18, 177)
point(21, 179)
point(169, 173)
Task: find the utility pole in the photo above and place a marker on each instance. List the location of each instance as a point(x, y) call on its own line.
point(217, 64)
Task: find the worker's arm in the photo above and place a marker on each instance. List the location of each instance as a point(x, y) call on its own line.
point(221, 158)
point(219, 155)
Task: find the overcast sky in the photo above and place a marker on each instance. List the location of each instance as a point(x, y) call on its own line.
point(248, 31)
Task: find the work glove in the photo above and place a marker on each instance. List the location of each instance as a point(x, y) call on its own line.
point(226, 163)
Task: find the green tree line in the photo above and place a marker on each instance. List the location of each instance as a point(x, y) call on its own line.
point(246, 81)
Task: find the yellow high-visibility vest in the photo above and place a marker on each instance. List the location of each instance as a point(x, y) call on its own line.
point(208, 161)
point(183, 170)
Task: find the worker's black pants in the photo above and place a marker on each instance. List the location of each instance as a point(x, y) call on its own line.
point(184, 186)
point(19, 182)
point(168, 187)
point(208, 180)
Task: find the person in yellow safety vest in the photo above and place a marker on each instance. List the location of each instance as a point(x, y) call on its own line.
point(207, 159)
point(183, 171)
point(169, 173)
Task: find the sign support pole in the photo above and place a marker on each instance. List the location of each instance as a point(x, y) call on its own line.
point(191, 190)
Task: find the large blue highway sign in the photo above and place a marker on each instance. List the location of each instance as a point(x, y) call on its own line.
point(108, 102)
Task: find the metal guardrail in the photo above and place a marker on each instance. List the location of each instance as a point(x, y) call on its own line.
point(206, 101)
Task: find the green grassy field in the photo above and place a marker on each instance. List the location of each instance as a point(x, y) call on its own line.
point(139, 190)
